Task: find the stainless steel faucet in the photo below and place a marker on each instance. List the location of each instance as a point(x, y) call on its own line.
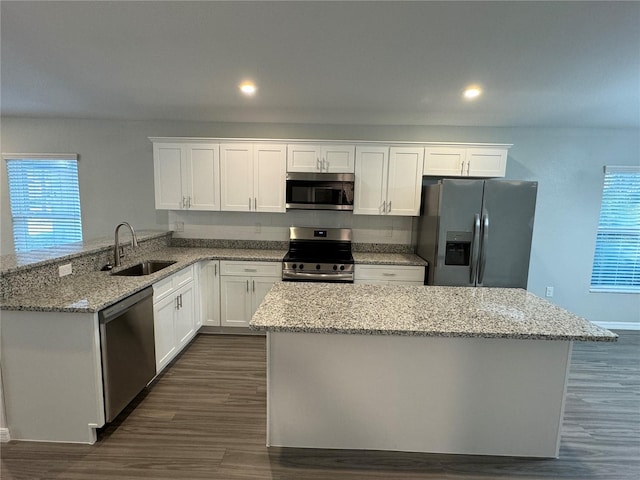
point(118, 252)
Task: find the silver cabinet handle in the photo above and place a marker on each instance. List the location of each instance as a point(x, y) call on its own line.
point(384, 206)
point(318, 164)
point(184, 202)
point(468, 167)
point(254, 285)
point(249, 203)
point(189, 202)
point(325, 165)
point(389, 207)
point(180, 300)
point(247, 285)
point(255, 203)
point(177, 304)
point(215, 269)
point(462, 168)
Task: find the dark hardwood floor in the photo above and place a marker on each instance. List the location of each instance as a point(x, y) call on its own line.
point(205, 418)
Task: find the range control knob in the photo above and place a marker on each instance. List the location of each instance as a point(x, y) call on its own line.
point(335, 267)
point(341, 267)
point(294, 266)
point(318, 267)
point(301, 266)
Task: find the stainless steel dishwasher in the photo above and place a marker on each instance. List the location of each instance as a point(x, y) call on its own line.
point(128, 350)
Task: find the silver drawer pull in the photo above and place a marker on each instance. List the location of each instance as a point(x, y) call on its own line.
point(250, 269)
point(388, 274)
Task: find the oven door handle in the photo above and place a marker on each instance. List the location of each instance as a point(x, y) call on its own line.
point(316, 276)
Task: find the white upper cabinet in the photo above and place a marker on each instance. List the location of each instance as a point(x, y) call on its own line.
point(486, 162)
point(303, 157)
point(388, 180)
point(372, 165)
point(186, 176)
point(252, 177)
point(460, 161)
point(404, 181)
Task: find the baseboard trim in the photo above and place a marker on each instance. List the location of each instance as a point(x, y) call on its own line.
point(4, 435)
point(619, 325)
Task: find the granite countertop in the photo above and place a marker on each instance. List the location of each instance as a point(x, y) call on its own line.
point(388, 259)
point(94, 291)
point(420, 311)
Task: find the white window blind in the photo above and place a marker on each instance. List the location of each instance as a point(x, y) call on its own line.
point(45, 200)
point(616, 265)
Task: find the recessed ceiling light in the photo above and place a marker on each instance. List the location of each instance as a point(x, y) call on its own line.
point(472, 92)
point(248, 88)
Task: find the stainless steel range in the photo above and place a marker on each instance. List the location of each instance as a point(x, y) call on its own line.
point(318, 255)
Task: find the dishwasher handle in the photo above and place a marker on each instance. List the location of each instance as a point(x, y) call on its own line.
point(114, 311)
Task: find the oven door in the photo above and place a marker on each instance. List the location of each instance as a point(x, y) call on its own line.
point(319, 191)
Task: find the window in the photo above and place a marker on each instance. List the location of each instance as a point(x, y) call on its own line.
point(45, 201)
point(616, 265)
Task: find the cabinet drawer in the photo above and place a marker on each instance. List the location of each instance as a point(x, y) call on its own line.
point(182, 277)
point(399, 273)
point(170, 284)
point(251, 269)
point(162, 289)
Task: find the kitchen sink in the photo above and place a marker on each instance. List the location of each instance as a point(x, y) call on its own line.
point(144, 268)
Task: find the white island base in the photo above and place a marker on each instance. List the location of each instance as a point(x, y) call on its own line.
point(484, 396)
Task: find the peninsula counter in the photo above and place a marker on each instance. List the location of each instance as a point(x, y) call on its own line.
point(427, 369)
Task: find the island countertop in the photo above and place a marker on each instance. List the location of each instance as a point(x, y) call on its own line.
point(420, 311)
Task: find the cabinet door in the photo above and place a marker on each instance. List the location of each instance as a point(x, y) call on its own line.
point(235, 301)
point(338, 158)
point(185, 315)
point(371, 180)
point(486, 162)
point(444, 161)
point(303, 158)
point(269, 177)
point(168, 175)
point(236, 177)
point(203, 176)
point(210, 293)
point(164, 331)
point(260, 286)
point(405, 181)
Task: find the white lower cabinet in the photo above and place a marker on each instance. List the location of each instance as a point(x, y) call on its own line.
point(389, 274)
point(209, 282)
point(243, 286)
point(174, 313)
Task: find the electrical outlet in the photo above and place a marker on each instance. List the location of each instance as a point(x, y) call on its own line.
point(549, 292)
point(64, 270)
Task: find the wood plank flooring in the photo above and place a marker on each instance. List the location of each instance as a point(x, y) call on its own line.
point(205, 418)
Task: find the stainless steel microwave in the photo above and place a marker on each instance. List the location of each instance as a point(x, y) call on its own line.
point(320, 191)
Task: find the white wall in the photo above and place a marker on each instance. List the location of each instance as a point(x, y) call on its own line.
point(116, 183)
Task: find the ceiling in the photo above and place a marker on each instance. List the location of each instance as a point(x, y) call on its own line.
point(551, 64)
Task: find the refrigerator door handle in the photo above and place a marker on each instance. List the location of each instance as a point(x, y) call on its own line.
point(483, 249)
point(475, 248)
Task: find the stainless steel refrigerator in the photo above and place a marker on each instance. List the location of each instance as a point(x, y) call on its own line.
point(477, 232)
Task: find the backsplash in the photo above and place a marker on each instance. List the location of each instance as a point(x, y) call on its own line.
point(369, 229)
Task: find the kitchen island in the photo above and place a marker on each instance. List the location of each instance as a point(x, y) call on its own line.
point(426, 369)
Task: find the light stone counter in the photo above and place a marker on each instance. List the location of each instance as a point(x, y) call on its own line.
point(420, 311)
point(96, 290)
point(418, 368)
point(378, 258)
